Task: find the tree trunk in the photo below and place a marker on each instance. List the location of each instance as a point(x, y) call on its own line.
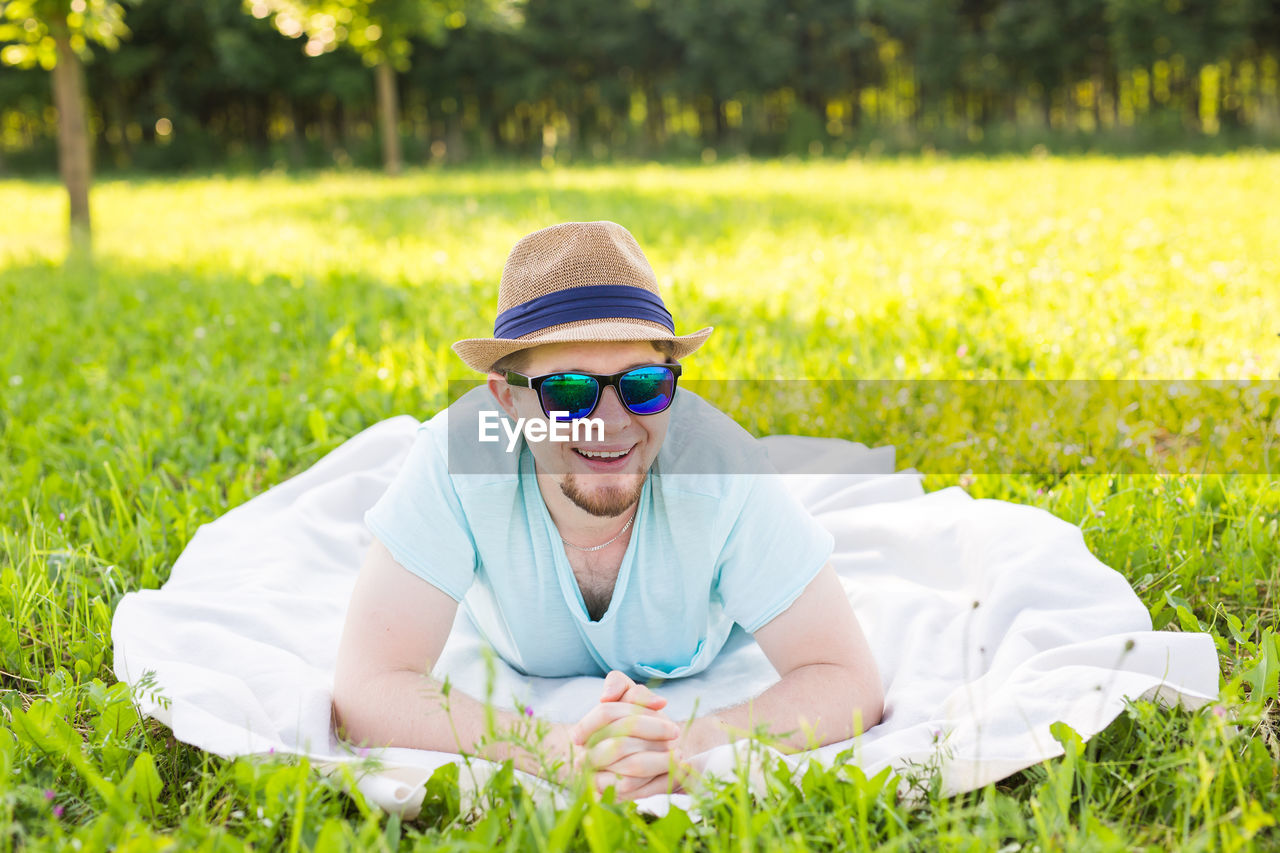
point(293, 140)
point(122, 148)
point(655, 120)
point(454, 142)
point(73, 135)
point(719, 125)
point(389, 118)
point(328, 135)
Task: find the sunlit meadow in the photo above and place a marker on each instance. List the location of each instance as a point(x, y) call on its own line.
point(233, 330)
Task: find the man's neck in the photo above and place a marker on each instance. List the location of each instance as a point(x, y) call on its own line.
point(575, 523)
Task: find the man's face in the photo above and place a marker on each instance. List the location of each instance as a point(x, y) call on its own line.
point(601, 486)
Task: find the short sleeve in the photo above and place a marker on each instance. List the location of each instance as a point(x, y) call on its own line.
point(773, 550)
point(421, 521)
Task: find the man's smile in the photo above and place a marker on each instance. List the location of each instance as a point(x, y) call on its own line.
point(605, 459)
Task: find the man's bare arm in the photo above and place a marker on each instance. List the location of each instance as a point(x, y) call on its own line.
point(830, 688)
point(384, 695)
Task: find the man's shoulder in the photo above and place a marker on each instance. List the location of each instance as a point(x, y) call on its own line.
point(455, 433)
point(708, 452)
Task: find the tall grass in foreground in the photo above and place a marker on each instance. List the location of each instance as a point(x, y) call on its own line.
point(233, 331)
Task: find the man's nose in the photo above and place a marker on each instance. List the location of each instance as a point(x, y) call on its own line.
point(611, 411)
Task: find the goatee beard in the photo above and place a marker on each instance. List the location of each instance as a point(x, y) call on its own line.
point(603, 503)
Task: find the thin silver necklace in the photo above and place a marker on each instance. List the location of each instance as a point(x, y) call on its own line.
point(624, 529)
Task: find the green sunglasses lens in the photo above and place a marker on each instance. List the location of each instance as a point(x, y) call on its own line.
point(574, 393)
point(647, 390)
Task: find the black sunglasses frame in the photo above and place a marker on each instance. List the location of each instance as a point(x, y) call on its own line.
point(519, 380)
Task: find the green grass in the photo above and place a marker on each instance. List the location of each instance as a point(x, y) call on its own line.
point(232, 331)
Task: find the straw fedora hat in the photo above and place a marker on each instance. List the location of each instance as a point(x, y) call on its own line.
point(579, 281)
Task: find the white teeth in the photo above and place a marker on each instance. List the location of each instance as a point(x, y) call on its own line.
point(602, 454)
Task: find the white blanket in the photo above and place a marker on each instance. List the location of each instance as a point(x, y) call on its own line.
point(989, 621)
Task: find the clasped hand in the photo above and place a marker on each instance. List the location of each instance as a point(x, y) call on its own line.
point(628, 742)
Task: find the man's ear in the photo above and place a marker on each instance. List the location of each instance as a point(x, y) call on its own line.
point(501, 392)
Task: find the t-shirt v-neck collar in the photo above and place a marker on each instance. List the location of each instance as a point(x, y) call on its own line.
point(564, 572)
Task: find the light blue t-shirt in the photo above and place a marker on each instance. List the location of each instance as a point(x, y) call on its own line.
point(717, 540)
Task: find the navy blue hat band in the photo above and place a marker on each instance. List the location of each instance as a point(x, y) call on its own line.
point(590, 302)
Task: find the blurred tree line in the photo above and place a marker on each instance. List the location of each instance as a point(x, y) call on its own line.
point(252, 83)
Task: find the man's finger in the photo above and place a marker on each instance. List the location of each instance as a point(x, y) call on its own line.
point(646, 726)
point(642, 764)
point(619, 687)
point(655, 729)
point(630, 788)
point(602, 779)
point(661, 784)
point(607, 713)
point(616, 685)
point(608, 751)
point(638, 694)
point(599, 715)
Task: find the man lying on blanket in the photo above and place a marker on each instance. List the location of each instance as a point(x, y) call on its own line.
point(573, 560)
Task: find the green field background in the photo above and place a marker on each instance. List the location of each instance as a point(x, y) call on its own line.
point(231, 331)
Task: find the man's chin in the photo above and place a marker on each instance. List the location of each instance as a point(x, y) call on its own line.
point(603, 495)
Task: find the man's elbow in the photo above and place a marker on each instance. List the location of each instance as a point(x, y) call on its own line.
point(870, 702)
point(352, 707)
point(866, 697)
point(344, 713)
